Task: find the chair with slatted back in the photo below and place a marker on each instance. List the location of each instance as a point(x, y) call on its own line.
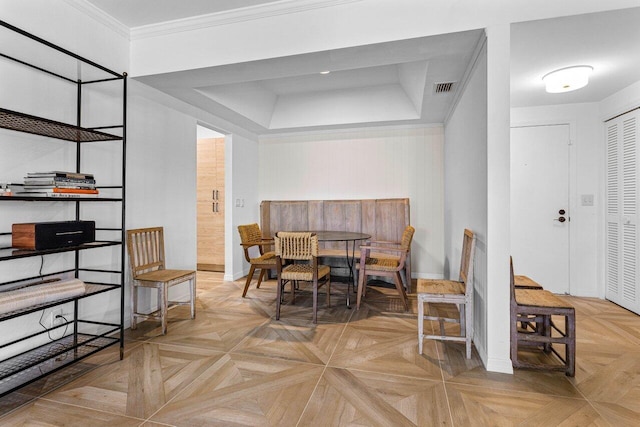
point(294, 247)
point(147, 261)
point(459, 292)
point(386, 259)
point(254, 252)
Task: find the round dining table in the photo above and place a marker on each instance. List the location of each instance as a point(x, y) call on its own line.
point(350, 238)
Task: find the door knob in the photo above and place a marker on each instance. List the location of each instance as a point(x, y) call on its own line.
point(560, 219)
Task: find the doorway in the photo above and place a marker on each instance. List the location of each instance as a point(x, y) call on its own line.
point(210, 200)
point(540, 217)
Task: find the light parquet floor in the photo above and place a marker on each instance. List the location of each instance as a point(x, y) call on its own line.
point(235, 365)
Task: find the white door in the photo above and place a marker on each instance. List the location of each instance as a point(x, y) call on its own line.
point(540, 214)
point(622, 215)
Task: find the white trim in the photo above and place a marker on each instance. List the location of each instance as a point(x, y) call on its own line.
point(480, 47)
point(282, 7)
point(266, 136)
point(101, 16)
point(499, 365)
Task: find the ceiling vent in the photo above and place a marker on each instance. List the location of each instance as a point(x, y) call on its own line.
point(442, 87)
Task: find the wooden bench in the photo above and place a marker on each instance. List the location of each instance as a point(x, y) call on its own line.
point(383, 219)
point(524, 282)
point(534, 309)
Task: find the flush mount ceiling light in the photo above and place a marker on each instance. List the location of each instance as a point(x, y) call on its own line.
point(325, 72)
point(567, 79)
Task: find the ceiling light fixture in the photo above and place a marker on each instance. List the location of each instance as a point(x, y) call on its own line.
point(325, 72)
point(567, 79)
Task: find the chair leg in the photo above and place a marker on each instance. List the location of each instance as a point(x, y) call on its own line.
point(262, 273)
point(192, 289)
point(278, 298)
point(400, 289)
point(462, 308)
point(164, 291)
point(570, 332)
point(134, 306)
point(315, 301)
point(513, 326)
point(361, 283)
point(420, 324)
point(469, 326)
point(249, 277)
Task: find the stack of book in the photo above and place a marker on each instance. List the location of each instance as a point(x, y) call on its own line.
point(59, 184)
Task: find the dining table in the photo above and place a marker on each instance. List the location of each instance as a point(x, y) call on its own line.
point(349, 238)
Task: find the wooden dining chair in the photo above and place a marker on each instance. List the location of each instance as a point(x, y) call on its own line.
point(254, 252)
point(377, 264)
point(294, 247)
point(148, 270)
point(459, 292)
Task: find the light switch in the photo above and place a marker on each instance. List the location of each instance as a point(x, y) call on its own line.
point(587, 199)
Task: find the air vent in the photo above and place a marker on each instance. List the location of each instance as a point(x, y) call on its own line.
point(443, 87)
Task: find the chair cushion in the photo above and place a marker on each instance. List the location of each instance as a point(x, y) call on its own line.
point(381, 264)
point(267, 258)
point(431, 286)
point(303, 272)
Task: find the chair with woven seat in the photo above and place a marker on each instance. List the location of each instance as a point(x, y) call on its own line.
point(295, 247)
point(254, 252)
point(387, 260)
point(459, 292)
point(148, 270)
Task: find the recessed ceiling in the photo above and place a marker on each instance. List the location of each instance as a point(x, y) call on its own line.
point(385, 83)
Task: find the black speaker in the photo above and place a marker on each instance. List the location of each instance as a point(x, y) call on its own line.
point(52, 235)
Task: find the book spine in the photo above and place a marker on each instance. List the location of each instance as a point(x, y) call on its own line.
point(75, 191)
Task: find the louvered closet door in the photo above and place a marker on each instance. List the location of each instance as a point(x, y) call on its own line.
point(623, 242)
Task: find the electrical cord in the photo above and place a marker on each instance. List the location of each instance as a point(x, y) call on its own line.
point(41, 265)
point(66, 326)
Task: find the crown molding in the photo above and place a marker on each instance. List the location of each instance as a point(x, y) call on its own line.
point(282, 7)
point(100, 16)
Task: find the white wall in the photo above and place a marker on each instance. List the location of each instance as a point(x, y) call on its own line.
point(35, 93)
point(371, 163)
point(465, 184)
point(242, 201)
point(161, 175)
point(586, 170)
point(161, 153)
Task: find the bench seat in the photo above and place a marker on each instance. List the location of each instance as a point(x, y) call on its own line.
point(534, 310)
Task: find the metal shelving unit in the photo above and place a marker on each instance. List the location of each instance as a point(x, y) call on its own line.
point(79, 338)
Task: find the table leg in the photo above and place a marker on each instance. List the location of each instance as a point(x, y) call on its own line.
point(350, 261)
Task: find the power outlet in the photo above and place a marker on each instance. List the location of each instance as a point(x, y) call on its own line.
point(54, 320)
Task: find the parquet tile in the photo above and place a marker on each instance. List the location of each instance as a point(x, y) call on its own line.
point(141, 384)
point(235, 365)
point(217, 330)
point(47, 413)
point(243, 390)
point(348, 397)
point(376, 346)
point(292, 339)
point(481, 406)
